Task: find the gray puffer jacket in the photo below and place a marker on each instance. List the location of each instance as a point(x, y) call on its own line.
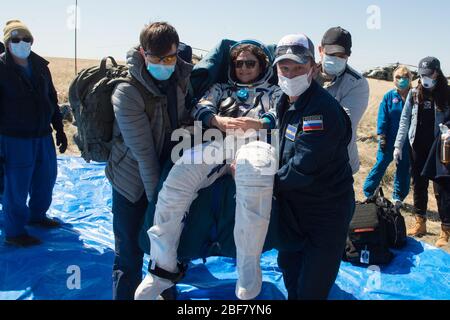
point(140, 129)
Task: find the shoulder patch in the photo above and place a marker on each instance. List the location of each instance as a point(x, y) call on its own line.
point(291, 132)
point(313, 123)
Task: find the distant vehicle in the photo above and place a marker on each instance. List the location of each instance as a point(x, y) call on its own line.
point(387, 72)
point(196, 58)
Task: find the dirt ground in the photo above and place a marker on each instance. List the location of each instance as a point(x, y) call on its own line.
point(63, 73)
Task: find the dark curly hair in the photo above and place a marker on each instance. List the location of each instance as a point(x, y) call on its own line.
point(256, 51)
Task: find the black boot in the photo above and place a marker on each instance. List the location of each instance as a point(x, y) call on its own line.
point(23, 241)
point(46, 223)
point(170, 294)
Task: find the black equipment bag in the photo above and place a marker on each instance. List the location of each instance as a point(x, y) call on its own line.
point(376, 226)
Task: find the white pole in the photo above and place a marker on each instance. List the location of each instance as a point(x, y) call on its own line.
point(76, 29)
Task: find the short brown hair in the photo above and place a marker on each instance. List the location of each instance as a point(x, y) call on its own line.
point(158, 37)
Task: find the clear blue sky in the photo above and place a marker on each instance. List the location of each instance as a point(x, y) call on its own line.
point(410, 29)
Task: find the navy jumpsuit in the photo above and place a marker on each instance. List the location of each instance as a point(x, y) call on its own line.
point(314, 189)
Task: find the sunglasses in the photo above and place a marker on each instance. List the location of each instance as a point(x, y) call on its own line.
point(17, 40)
point(250, 64)
point(169, 59)
point(294, 49)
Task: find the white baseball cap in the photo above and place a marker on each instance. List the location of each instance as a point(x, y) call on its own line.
point(295, 47)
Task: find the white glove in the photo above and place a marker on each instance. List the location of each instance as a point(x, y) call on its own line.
point(397, 155)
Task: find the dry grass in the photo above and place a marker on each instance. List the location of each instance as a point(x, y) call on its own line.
point(63, 73)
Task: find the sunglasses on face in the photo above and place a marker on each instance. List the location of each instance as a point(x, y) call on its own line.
point(17, 40)
point(250, 64)
point(294, 49)
point(169, 59)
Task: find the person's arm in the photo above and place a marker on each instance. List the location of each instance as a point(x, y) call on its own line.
point(57, 119)
point(208, 105)
point(383, 116)
point(207, 110)
point(355, 102)
point(267, 120)
point(313, 152)
point(57, 122)
point(405, 122)
point(134, 125)
point(270, 118)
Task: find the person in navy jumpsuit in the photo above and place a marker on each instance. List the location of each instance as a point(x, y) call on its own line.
point(314, 184)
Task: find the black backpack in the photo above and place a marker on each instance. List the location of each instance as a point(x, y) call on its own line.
point(395, 222)
point(376, 226)
point(90, 99)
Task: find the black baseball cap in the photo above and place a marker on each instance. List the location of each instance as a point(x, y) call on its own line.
point(428, 65)
point(337, 40)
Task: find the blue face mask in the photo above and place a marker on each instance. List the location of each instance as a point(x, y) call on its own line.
point(160, 72)
point(334, 66)
point(21, 50)
point(403, 83)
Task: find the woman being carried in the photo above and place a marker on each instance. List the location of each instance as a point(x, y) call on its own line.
point(246, 103)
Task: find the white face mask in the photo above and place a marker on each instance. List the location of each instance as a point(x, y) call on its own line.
point(296, 86)
point(427, 82)
point(333, 66)
point(21, 50)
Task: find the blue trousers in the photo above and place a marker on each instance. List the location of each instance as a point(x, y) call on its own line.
point(30, 169)
point(310, 273)
point(402, 177)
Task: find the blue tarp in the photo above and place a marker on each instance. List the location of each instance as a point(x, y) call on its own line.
point(75, 262)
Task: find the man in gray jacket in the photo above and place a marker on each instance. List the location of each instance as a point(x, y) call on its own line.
point(142, 142)
point(345, 84)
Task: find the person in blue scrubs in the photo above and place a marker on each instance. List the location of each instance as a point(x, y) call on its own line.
point(389, 115)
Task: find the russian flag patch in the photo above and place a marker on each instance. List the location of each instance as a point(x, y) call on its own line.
point(313, 123)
